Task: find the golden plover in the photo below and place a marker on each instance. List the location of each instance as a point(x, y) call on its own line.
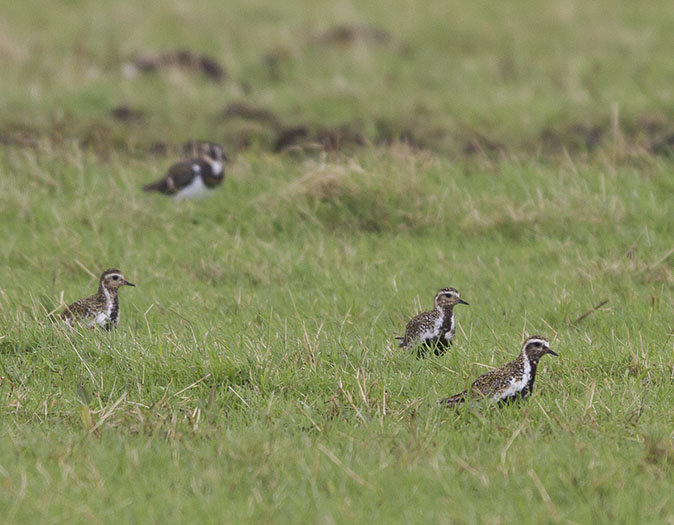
point(101, 309)
point(434, 329)
point(512, 381)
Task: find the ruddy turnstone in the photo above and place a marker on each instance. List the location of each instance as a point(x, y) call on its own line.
point(194, 178)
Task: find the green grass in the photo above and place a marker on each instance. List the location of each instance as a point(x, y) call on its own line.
point(254, 375)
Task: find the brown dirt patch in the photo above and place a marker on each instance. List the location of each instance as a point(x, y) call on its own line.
point(127, 114)
point(183, 59)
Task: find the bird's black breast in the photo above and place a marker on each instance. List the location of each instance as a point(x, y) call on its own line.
point(114, 312)
point(440, 344)
point(211, 179)
point(446, 324)
point(527, 390)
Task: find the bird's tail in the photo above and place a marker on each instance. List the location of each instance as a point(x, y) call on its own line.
point(154, 186)
point(454, 400)
point(401, 339)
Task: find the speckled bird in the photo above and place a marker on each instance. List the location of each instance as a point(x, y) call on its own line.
point(101, 309)
point(511, 381)
point(433, 329)
point(193, 178)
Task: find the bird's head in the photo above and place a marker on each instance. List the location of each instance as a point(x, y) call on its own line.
point(536, 347)
point(448, 297)
point(213, 152)
point(112, 279)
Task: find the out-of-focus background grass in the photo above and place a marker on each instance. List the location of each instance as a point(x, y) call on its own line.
point(523, 75)
point(519, 151)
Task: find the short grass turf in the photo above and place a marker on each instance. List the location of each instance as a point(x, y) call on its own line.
point(255, 375)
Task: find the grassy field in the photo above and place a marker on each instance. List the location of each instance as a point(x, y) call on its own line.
point(518, 152)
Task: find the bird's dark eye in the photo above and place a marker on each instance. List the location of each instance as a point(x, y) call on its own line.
point(115, 277)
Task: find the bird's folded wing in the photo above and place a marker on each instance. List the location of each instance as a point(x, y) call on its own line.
point(179, 176)
point(76, 310)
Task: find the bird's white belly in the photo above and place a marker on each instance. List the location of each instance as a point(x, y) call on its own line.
point(516, 385)
point(433, 331)
point(194, 190)
point(100, 319)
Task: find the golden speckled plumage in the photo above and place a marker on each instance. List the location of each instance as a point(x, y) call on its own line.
point(433, 329)
point(100, 309)
point(514, 380)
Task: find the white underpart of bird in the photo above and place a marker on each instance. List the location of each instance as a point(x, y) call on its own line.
point(99, 319)
point(194, 190)
point(433, 332)
point(216, 167)
point(102, 317)
point(516, 385)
